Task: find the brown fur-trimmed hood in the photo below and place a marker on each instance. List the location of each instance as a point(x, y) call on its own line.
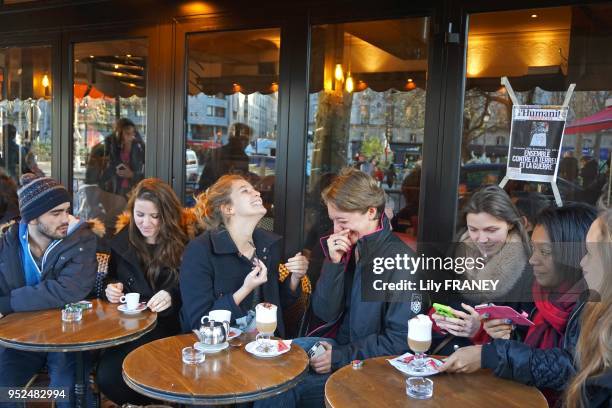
point(95, 225)
point(188, 222)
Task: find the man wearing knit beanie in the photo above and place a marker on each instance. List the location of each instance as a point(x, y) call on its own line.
point(49, 260)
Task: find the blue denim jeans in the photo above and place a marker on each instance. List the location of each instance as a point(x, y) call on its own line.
point(310, 392)
point(17, 367)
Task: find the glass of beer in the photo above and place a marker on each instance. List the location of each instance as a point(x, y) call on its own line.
point(419, 341)
point(265, 321)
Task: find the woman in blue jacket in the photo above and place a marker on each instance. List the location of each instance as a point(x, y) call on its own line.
point(233, 265)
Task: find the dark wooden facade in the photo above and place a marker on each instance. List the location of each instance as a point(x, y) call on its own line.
point(165, 24)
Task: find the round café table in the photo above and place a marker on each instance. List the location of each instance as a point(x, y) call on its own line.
point(379, 384)
point(230, 376)
point(102, 326)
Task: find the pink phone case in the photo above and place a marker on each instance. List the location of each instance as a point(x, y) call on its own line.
point(505, 312)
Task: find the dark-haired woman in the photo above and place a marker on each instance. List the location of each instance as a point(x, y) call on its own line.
point(121, 156)
point(558, 247)
point(233, 265)
point(146, 254)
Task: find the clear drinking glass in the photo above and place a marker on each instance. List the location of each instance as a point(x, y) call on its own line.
point(419, 341)
point(265, 321)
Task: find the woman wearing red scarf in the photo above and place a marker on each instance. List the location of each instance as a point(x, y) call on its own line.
point(558, 242)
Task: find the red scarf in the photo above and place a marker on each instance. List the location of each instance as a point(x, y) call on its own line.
point(551, 316)
point(550, 321)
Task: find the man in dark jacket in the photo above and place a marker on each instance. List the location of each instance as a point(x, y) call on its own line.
point(361, 320)
point(46, 260)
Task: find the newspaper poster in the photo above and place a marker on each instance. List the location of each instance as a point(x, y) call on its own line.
point(536, 134)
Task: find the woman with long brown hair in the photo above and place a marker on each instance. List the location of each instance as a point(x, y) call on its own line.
point(234, 265)
point(592, 385)
point(146, 254)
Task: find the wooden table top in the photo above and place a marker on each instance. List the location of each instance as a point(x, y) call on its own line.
point(101, 326)
point(230, 376)
point(379, 384)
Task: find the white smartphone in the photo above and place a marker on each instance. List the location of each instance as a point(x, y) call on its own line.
point(316, 350)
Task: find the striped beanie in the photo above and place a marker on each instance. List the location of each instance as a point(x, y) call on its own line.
point(39, 195)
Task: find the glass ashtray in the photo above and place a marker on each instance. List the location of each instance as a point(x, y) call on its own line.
point(192, 355)
point(72, 315)
point(419, 387)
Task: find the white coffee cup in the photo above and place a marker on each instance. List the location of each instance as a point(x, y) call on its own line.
point(218, 316)
point(131, 300)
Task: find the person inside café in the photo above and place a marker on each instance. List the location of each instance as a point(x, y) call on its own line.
point(234, 265)
point(49, 260)
point(229, 158)
point(9, 202)
point(353, 327)
point(572, 332)
point(119, 159)
point(146, 255)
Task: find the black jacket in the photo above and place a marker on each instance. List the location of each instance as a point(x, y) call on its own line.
point(68, 273)
point(213, 270)
point(599, 390)
point(125, 267)
point(377, 328)
point(550, 368)
point(108, 156)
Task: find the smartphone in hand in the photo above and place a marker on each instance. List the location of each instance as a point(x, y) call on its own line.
point(443, 310)
point(316, 350)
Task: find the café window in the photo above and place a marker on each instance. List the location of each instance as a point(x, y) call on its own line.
point(366, 109)
point(232, 109)
point(110, 125)
point(541, 51)
point(26, 93)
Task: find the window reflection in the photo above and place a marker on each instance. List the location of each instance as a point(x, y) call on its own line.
point(109, 125)
point(232, 109)
point(541, 56)
point(25, 111)
point(367, 110)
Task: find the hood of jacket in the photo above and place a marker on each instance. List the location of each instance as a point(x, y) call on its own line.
point(96, 226)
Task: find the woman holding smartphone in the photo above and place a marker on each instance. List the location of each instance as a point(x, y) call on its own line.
point(558, 247)
point(124, 154)
point(234, 265)
point(494, 234)
point(146, 253)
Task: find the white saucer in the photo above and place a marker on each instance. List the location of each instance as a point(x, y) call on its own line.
point(401, 364)
point(123, 308)
point(234, 332)
point(209, 349)
point(252, 348)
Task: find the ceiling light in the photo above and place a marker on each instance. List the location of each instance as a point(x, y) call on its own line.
point(534, 16)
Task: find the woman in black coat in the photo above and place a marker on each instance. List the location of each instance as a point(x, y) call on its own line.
point(145, 257)
point(234, 265)
point(121, 158)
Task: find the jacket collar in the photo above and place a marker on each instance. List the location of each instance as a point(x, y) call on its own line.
point(223, 243)
point(368, 243)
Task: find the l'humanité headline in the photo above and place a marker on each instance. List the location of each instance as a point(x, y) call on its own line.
point(429, 285)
